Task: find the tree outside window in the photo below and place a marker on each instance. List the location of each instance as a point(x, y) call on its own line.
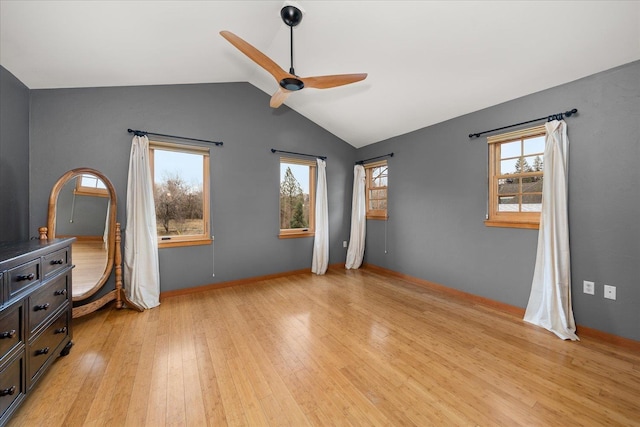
point(181, 193)
point(297, 197)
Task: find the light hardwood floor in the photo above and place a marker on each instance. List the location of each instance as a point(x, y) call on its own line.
point(347, 348)
point(90, 259)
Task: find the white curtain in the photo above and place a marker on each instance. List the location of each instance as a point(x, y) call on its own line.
point(321, 242)
point(141, 272)
point(105, 234)
point(550, 300)
point(355, 253)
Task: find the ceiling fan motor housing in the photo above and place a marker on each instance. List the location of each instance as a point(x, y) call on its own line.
point(292, 84)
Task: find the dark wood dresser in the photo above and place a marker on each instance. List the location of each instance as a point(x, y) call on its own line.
point(35, 315)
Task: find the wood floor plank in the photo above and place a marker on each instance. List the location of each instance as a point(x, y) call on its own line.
point(348, 348)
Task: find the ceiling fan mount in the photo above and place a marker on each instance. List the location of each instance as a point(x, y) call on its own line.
point(291, 15)
point(289, 82)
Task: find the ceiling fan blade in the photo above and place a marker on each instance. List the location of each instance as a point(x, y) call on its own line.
point(256, 56)
point(279, 97)
point(325, 82)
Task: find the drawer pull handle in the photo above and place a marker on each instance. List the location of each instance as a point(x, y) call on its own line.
point(8, 334)
point(60, 292)
point(41, 307)
point(8, 391)
point(56, 261)
point(60, 330)
point(42, 351)
point(22, 277)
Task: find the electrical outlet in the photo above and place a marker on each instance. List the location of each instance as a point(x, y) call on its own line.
point(610, 292)
point(589, 287)
point(344, 244)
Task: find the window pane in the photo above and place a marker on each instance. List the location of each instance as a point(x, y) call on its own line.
point(532, 202)
point(510, 149)
point(508, 204)
point(534, 146)
point(379, 177)
point(294, 196)
point(178, 182)
point(509, 186)
point(88, 181)
point(91, 181)
point(508, 166)
point(532, 184)
point(378, 194)
point(532, 194)
point(536, 162)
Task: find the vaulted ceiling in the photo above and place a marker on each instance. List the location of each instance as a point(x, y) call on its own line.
point(428, 61)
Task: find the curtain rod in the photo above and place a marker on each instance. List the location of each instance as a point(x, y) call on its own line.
point(361, 162)
point(144, 132)
point(273, 150)
point(548, 118)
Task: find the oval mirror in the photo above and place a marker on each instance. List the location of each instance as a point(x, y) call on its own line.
point(83, 205)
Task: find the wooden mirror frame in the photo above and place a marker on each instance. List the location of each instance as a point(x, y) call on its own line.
point(114, 256)
point(111, 237)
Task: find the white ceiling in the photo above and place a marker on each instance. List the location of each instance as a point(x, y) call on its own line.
point(428, 61)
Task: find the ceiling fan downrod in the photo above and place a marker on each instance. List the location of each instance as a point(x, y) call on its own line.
point(291, 16)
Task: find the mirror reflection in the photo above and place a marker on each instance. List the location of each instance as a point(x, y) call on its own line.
point(82, 212)
point(83, 205)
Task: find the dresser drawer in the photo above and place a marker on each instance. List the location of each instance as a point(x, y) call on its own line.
point(22, 277)
point(55, 261)
point(12, 387)
point(45, 345)
point(11, 331)
point(46, 300)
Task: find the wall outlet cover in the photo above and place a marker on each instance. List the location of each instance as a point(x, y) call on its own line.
point(589, 287)
point(610, 292)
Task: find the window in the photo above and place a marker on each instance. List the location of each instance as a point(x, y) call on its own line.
point(376, 189)
point(297, 197)
point(516, 172)
point(90, 185)
point(181, 193)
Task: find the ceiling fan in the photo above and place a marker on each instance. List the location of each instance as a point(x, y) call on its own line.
point(289, 82)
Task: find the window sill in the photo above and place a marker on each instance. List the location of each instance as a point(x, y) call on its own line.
point(183, 242)
point(295, 234)
point(378, 217)
point(531, 225)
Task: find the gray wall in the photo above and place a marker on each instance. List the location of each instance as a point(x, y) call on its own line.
point(73, 128)
point(438, 197)
point(14, 158)
point(80, 215)
point(438, 190)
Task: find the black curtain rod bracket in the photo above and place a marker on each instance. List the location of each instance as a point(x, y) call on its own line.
point(549, 118)
point(144, 133)
point(362, 162)
point(273, 150)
